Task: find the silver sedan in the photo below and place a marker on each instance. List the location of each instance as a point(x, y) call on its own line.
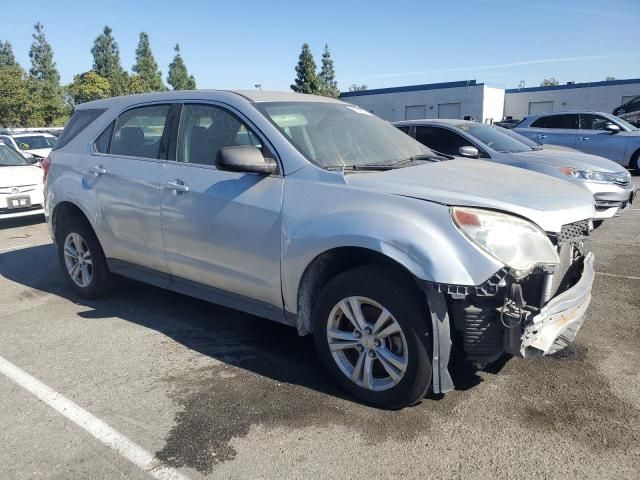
point(609, 183)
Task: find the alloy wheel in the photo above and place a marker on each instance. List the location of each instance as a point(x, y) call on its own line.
point(77, 260)
point(367, 343)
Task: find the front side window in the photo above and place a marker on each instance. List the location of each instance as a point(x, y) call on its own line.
point(10, 158)
point(138, 132)
point(205, 130)
point(441, 140)
point(566, 121)
point(338, 134)
point(593, 122)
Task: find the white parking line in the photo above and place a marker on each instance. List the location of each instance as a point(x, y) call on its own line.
point(96, 427)
point(629, 277)
point(19, 247)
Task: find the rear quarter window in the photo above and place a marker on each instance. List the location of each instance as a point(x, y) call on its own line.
point(80, 120)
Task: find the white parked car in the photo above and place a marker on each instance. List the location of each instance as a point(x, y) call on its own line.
point(31, 143)
point(21, 188)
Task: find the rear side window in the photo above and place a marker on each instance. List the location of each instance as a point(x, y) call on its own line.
point(103, 142)
point(138, 132)
point(567, 121)
point(80, 120)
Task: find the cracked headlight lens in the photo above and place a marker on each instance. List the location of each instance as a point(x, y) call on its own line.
point(588, 175)
point(517, 243)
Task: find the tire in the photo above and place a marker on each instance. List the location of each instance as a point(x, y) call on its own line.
point(95, 280)
point(635, 162)
point(375, 288)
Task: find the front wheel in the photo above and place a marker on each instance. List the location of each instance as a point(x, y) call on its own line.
point(371, 331)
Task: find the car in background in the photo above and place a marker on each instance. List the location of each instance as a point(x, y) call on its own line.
point(317, 214)
point(609, 183)
point(597, 133)
point(36, 144)
point(629, 111)
point(21, 188)
point(508, 123)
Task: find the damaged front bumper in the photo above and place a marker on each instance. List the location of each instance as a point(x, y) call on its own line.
point(558, 322)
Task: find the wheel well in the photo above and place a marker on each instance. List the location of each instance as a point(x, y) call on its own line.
point(334, 262)
point(63, 212)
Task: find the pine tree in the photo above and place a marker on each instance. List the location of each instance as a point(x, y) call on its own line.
point(146, 66)
point(7, 58)
point(106, 62)
point(306, 80)
point(45, 78)
point(327, 76)
point(178, 77)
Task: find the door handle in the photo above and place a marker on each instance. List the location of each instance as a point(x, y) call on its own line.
point(176, 186)
point(584, 139)
point(97, 171)
point(542, 136)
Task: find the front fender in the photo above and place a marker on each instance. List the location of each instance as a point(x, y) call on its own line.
point(417, 234)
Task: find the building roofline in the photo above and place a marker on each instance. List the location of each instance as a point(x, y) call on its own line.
point(604, 83)
point(412, 88)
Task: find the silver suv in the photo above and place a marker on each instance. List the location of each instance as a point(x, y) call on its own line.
point(591, 132)
point(315, 213)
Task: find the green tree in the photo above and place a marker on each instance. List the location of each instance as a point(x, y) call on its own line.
point(106, 62)
point(7, 58)
point(327, 76)
point(136, 84)
point(45, 78)
point(179, 78)
point(609, 79)
point(306, 80)
point(547, 82)
point(88, 86)
point(16, 102)
point(357, 88)
point(146, 66)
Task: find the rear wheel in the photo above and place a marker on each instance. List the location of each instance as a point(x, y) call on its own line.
point(370, 328)
point(82, 260)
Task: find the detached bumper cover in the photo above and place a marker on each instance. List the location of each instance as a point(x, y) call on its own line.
point(558, 322)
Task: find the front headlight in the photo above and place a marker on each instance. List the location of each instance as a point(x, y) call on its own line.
point(588, 175)
point(517, 243)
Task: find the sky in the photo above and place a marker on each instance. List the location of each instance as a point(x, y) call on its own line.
point(237, 45)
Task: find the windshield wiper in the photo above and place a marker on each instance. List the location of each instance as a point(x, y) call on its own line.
point(432, 157)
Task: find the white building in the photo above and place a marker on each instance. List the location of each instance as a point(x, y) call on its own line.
point(594, 96)
point(480, 102)
point(465, 100)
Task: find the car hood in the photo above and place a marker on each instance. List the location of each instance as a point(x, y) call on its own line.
point(20, 176)
point(40, 152)
point(547, 201)
point(569, 158)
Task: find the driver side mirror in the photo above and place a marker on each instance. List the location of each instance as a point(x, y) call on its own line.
point(612, 128)
point(469, 152)
point(245, 158)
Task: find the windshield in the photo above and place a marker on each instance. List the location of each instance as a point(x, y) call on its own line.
point(494, 138)
point(339, 134)
point(10, 158)
point(33, 142)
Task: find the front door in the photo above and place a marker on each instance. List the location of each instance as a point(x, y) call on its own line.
point(594, 139)
point(222, 230)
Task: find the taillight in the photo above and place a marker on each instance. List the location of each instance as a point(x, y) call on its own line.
point(46, 164)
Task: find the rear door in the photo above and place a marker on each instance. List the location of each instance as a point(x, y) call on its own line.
point(558, 129)
point(222, 230)
point(594, 139)
point(124, 172)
